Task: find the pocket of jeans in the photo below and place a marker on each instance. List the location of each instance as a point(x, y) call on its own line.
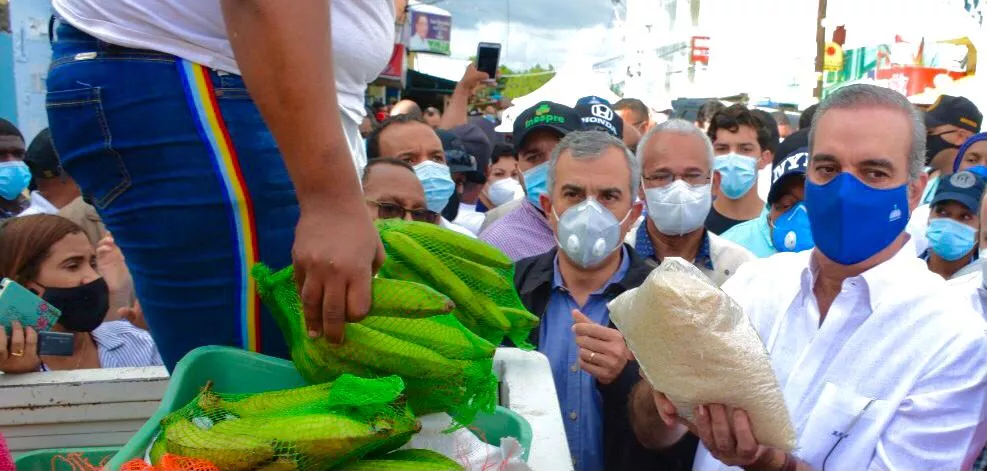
point(81, 135)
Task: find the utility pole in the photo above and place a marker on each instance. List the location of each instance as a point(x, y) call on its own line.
point(820, 48)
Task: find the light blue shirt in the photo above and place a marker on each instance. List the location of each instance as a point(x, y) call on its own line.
point(121, 345)
point(754, 235)
point(582, 405)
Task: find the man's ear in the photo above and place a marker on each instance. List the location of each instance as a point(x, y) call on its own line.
point(915, 189)
point(717, 178)
point(767, 157)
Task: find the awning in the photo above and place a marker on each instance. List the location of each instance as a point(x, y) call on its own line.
point(419, 83)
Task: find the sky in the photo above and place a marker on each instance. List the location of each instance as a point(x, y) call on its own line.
point(540, 31)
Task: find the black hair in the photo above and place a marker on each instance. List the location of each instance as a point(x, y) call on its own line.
point(500, 151)
point(733, 117)
point(383, 161)
point(8, 129)
point(373, 140)
point(708, 110)
point(633, 104)
point(771, 125)
point(805, 120)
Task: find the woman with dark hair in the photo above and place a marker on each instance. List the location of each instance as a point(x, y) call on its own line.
point(52, 257)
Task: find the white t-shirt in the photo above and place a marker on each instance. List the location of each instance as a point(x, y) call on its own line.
point(39, 205)
point(893, 379)
point(362, 36)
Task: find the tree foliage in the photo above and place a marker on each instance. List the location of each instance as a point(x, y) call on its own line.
point(523, 82)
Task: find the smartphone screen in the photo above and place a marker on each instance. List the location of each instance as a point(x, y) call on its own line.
point(488, 58)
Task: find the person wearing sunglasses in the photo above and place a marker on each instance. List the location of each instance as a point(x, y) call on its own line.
point(392, 191)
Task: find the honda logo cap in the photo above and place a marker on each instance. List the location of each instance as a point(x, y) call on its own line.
point(596, 113)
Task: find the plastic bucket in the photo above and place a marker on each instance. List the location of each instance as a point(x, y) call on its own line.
point(237, 371)
point(54, 459)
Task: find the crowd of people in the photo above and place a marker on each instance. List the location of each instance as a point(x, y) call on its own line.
point(852, 242)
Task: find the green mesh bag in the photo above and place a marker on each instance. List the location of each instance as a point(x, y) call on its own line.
point(405, 460)
point(476, 276)
point(306, 429)
point(445, 366)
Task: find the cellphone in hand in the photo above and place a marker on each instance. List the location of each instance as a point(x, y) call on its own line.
point(17, 303)
point(488, 58)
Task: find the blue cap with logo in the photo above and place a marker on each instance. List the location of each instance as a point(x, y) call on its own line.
point(597, 113)
point(795, 163)
point(966, 188)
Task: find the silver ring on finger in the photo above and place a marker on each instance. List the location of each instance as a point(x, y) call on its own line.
point(591, 357)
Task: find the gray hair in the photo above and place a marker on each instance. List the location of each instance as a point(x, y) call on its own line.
point(677, 126)
point(871, 96)
point(588, 145)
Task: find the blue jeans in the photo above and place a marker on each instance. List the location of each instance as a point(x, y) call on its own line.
point(187, 178)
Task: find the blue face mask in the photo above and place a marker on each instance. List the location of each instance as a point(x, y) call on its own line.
point(738, 173)
point(437, 180)
point(536, 183)
point(14, 178)
point(950, 239)
point(851, 221)
point(792, 232)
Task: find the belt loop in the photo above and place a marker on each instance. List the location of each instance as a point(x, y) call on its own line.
point(51, 29)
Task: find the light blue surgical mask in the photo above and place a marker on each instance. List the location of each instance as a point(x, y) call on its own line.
point(588, 232)
point(536, 182)
point(950, 239)
point(792, 232)
point(852, 221)
point(738, 174)
point(14, 178)
point(438, 184)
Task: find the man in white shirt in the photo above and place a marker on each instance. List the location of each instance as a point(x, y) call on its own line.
point(677, 179)
point(214, 135)
point(881, 365)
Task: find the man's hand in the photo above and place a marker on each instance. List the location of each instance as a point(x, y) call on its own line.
point(602, 351)
point(456, 110)
point(473, 78)
point(19, 352)
point(335, 254)
point(726, 433)
point(133, 314)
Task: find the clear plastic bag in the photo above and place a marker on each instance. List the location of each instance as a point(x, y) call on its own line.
point(697, 346)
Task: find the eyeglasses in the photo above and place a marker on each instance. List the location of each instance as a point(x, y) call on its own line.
point(393, 211)
point(661, 179)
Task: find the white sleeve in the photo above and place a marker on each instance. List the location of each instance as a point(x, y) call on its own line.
point(941, 423)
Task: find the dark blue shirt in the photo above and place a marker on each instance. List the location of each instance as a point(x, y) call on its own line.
point(579, 398)
point(646, 249)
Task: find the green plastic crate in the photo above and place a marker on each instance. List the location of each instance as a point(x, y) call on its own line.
point(237, 371)
point(45, 460)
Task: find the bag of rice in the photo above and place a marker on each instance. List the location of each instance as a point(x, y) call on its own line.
point(696, 345)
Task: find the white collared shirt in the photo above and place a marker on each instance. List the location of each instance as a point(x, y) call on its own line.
point(896, 376)
point(39, 205)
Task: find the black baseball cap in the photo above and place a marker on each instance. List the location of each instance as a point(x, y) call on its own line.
point(596, 113)
point(955, 110)
point(794, 164)
point(41, 157)
point(477, 144)
point(963, 187)
point(792, 143)
point(545, 115)
point(458, 158)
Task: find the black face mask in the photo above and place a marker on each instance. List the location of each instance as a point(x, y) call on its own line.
point(934, 144)
point(83, 307)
